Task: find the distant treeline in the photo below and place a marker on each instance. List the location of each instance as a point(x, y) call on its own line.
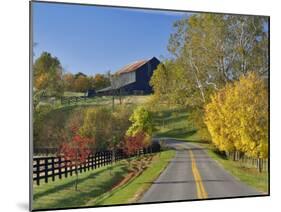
point(51, 80)
point(80, 82)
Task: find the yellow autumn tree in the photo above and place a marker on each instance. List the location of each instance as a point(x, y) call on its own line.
point(218, 122)
point(237, 117)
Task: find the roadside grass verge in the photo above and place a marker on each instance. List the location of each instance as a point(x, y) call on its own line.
point(61, 193)
point(250, 176)
point(100, 185)
point(133, 190)
point(175, 124)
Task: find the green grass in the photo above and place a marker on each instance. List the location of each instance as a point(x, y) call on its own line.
point(69, 93)
point(135, 188)
point(61, 193)
point(173, 123)
point(250, 176)
point(95, 187)
point(94, 101)
point(104, 100)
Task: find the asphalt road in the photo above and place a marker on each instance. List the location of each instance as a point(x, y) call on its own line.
point(192, 174)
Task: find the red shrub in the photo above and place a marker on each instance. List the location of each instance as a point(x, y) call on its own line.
point(134, 143)
point(76, 151)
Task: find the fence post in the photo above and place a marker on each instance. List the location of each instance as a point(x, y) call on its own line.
point(53, 169)
point(98, 165)
point(95, 160)
point(59, 167)
point(101, 159)
point(71, 168)
point(107, 158)
point(76, 169)
point(91, 160)
point(65, 167)
point(37, 171)
point(46, 170)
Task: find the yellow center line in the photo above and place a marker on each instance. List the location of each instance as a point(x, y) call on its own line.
point(201, 192)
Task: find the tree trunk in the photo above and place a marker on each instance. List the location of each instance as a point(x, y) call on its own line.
point(76, 171)
point(76, 181)
point(110, 168)
point(233, 155)
point(112, 102)
point(120, 97)
point(260, 164)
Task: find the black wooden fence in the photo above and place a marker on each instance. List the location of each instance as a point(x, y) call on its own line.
point(50, 168)
point(73, 99)
point(249, 162)
point(66, 100)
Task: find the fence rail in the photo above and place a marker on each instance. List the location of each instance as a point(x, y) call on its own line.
point(50, 168)
point(248, 162)
point(74, 99)
point(261, 164)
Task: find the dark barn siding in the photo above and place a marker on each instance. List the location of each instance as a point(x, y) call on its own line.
point(143, 75)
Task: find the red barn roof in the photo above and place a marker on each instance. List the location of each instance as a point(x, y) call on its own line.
point(131, 67)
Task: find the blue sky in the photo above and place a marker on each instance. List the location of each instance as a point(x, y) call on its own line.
point(93, 39)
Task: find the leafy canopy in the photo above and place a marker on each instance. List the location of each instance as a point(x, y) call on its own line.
point(141, 122)
point(237, 117)
point(48, 75)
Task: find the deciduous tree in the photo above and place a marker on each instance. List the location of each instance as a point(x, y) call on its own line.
point(68, 80)
point(81, 83)
point(76, 151)
point(141, 122)
point(48, 75)
point(237, 117)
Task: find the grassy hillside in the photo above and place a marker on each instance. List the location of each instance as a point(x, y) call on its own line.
point(69, 93)
point(173, 123)
point(48, 128)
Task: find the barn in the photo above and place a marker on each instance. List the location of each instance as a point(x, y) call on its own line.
point(133, 78)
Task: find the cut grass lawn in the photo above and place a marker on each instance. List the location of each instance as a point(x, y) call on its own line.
point(133, 190)
point(250, 176)
point(97, 186)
